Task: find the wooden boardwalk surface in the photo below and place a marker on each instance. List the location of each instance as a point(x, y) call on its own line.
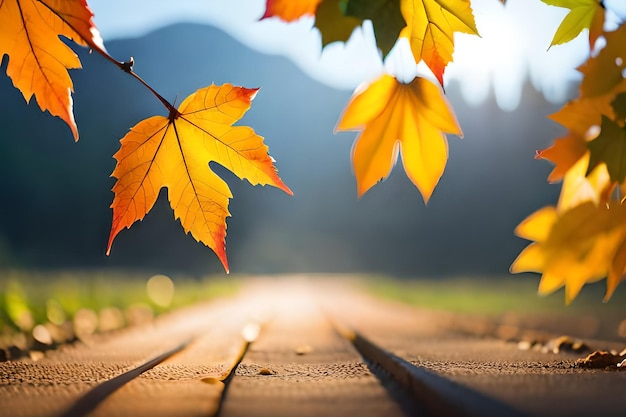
point(303, 347)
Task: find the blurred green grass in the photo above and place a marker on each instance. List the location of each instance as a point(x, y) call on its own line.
point(511, 307)
point(63, 300)
point(496, 296)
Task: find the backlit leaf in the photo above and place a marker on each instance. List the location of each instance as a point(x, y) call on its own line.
point(386, 18)
point(38, 59)
point(332, 23)
point(563, 153)
point(619, 108)
point(581, 185)
point(395, 118)
point(616, 272)
point(582, 117)
point(583, 14)
point(290, 10)
point(610, 148)
point(605, 72)
point(175, 152)
point(430, 29)
point(572, 248)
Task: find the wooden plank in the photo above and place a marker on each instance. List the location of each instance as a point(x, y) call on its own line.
point(52, 385)
point(542, 384)
point(190, 383)
point(300, 366)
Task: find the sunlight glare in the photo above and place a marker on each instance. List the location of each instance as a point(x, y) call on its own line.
point(512, 46)
point(250, 332)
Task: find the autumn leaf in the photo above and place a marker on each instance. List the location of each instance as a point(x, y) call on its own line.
point(175, 152)
point(563, 153)
point(610, 148)
point(290, 10)
point(581, 185)
point(583, 14)
point(604, 73)
point(582, 117)
point(332, 22)
point(411, 119)
point(386, 18)
point(572, 248)
point(430, 29)
point(38, 59)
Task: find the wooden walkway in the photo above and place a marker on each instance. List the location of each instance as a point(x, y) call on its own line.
point(303, 347)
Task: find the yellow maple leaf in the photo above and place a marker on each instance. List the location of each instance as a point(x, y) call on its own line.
point(175, 152)
point(583, 14)
point(580, 185)
point(411, 119)
point(430, 29)
point(38, 59)
point(573, 247)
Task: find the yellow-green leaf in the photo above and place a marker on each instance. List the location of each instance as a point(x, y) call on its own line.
point(583, 14)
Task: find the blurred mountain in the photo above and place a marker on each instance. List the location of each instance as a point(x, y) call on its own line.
point(55, 193)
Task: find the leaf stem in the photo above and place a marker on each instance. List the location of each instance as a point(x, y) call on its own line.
point(127, 67)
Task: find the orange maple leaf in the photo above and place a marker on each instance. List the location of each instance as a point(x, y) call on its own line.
point(430, 29)
point(290, 10)
point(580, 116)
point(38, 59)
point(411, 119)
point(175, 152)
point(563, 154)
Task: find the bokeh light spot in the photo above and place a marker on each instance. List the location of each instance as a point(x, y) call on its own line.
point(160, 290)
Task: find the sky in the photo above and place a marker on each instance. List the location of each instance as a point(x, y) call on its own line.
point(513, 46)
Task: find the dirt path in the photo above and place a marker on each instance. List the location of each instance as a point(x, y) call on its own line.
point(305, 347)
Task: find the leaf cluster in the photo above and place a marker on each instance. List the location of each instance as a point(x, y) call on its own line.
point(583, 238)
point(170, 151)
point(580, 240)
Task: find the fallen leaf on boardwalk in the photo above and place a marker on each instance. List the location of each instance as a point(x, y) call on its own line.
point(583, 14)
point(565, 344)
point(38, 59)
point(290, 10)
point(175, 152)
point(395, 118)
point(430, 29)
point(599, 359)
